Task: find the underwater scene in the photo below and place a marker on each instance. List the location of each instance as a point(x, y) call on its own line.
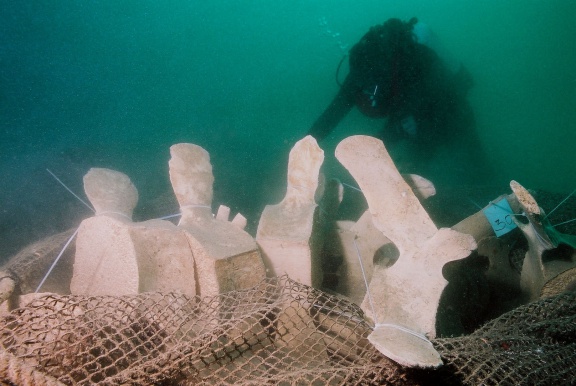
point(298, 192)
point(114, 84)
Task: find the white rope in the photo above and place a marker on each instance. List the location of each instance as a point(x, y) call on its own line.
point(170, 216)
point(365, 280)
point(56, 261)
point(564, 222)
point(402, 328)
point(112, 212)
point(68, 189)
point(561, 202)
point(196, 206)
point(352, 187)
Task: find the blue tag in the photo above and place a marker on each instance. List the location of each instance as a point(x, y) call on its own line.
point(499, 215)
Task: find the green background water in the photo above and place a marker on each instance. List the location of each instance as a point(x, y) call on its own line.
point(115, 83)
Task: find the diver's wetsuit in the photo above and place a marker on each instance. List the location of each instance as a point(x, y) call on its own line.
point(393, 75)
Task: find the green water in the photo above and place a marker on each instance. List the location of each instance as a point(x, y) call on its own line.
point(115, 83)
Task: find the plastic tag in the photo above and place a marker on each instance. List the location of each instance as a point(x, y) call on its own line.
point(499, 215)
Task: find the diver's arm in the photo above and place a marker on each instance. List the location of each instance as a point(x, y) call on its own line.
point(334, 113)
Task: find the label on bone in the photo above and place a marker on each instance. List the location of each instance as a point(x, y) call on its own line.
point(499, 215)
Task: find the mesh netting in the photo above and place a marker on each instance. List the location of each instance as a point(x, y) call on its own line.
point(532, 344)
point(280, 332)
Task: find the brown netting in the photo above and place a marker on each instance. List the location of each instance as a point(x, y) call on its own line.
point(531, 345)
point(280, 332)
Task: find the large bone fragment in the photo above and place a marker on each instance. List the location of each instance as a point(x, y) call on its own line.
point(110, 192)
point(165, 261)
point(396, 211)
point(115, 256)
point(360, 240)
point(406, 295)
point(285, 231)
point(422, 187)
point(105, 261)
point(541, 277)
point(534, 274)
point(224, 214)
point(226, 257)
point(478, 225)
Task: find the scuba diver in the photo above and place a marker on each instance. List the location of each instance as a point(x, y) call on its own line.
point(399, 71)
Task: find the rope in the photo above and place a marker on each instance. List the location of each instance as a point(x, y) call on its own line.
point(70, 190)
point(196, 206)
point(117, 213)
point(401, 328)
point(365, 281)
point(56, 261)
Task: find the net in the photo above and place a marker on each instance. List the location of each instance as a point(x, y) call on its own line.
point(279, 333)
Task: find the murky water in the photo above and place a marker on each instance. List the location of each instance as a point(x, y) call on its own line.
point(114, 84)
